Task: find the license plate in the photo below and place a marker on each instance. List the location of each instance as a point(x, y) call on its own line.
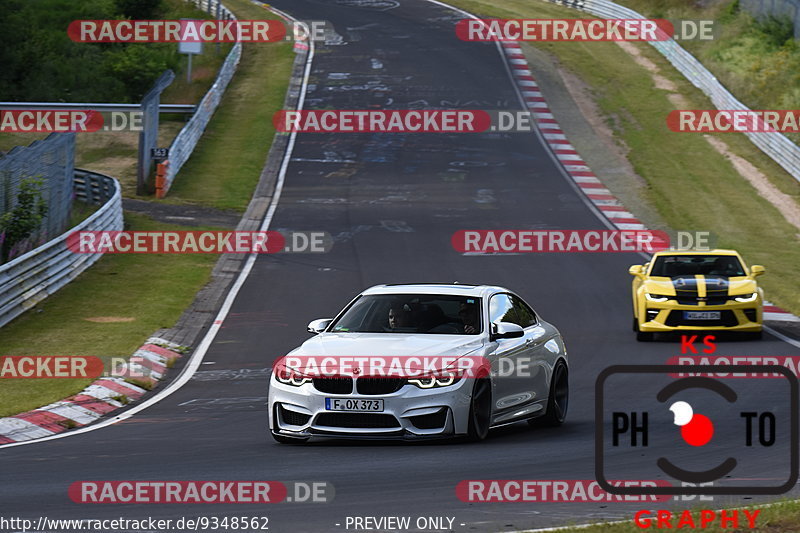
point(353, 404)
point(701, 315)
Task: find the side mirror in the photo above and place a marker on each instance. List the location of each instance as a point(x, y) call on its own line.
point(319, 325)
point(757, 270)
point(506, 330)
point(636, 270)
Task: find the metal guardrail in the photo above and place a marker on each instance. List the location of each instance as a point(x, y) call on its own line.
point(32, 277)
point(776, 145)
point(184, 143)
point(60, 106)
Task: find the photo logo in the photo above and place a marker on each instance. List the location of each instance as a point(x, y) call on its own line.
point(696, 429)
point(724, 436)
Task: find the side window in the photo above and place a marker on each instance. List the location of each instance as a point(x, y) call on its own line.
point(501, 309)
point(525, 314)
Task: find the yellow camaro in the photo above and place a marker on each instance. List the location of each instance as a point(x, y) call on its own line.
point(696, 290)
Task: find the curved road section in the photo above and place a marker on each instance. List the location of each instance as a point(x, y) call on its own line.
point(391, 201)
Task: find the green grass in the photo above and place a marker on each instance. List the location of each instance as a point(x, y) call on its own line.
point(758, 61)
point(691, 185)
point(783, 517)
point(80, 212)
point(226, 164)
point(152, 289)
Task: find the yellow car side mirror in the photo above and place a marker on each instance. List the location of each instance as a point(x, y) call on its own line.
point(757, 270)
point(636, 270)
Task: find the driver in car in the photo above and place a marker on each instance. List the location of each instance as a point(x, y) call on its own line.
point(399, 317)
point(468, 313)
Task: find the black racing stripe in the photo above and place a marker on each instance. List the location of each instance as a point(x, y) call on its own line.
point(717, 286)
point(685, 287)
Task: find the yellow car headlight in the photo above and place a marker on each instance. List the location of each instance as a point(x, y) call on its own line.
point(656, 297)
point(745, 298)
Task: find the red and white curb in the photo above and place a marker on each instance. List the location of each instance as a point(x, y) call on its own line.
point(576, 168)
point(147, 365)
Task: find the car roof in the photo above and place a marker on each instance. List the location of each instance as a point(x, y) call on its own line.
point(436, 288)
point(718, 251)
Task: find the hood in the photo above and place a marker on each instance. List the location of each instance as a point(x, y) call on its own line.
point(389, 344)
point(404, 354)
point(691, 285)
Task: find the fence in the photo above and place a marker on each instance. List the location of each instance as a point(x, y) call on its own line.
point(32, 277)
point(186, 140)
point(51, 159)
point(774, 144)
point(762, 9)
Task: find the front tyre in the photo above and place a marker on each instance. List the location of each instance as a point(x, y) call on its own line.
point(754, 335)
point(641, 336)
point(644, 336)
point(480, 410)
point(557, 401)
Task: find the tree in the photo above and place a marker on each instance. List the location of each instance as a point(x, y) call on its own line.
point(25, 218)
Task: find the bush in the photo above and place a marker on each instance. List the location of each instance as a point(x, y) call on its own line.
point(24, 219)
point(139, 9)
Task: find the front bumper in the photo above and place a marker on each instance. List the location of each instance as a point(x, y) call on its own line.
point(409, 413)
point(669, 316)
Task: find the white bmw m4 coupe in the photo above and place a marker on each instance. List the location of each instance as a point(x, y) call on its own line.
point(421, 361)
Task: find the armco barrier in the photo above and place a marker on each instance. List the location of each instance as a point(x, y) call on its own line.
point(32, 277)
point(186, 140)
point(774, 144)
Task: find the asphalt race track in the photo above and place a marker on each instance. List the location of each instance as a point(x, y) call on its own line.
point(392, 202)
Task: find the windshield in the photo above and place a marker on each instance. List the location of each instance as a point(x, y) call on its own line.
point(672, 266)
point(412, 313)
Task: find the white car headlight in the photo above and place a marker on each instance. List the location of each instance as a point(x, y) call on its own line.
point(289, 376)
point(656, 297)
point(437, 379)
point(744, 298)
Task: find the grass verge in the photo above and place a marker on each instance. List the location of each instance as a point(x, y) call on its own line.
point(757, 60)
point(782, 517)
point(107, 312)
point(131, 296)
point(224, 168)
point(692, 186)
